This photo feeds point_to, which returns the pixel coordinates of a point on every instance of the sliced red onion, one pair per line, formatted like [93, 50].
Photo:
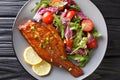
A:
[57, 29]
[68, 33]
[81, 15]
[81, 52]
[53, 9]
[78, 61]
[37, 17]
[42, 10]
[91, 38]
[68, 50]
[64, 13]
[63, 18]
[69, 1]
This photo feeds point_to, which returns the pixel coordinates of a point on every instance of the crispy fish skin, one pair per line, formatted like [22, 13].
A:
[46, 41]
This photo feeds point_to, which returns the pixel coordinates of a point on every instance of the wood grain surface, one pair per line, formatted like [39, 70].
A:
[10, 68]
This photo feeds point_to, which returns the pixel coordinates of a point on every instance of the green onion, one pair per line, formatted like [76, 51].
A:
[51, 60]
[51, 38]
[33, 28]
[43, 46]
[70, 69]
[40, 45]
[47, 42]
[42, 41]
[47, 39]
[60, 66]
[50, 48]
[53, 32]
[63, 58]
[35, 36]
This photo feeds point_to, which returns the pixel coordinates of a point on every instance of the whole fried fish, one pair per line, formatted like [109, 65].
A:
[46, 41]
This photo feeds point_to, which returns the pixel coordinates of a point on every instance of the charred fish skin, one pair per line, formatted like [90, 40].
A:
[46, 41]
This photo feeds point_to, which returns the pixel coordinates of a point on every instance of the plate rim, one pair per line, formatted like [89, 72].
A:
[106, 47]
[27, 2]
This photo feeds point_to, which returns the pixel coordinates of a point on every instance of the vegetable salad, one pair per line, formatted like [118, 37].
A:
[76, 30]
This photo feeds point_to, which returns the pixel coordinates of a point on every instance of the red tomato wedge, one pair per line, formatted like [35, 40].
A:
[69, 43]
[53, 1]
[58, 1]
[88, 25]
[92, 44]
[47, 17]
[70, 14]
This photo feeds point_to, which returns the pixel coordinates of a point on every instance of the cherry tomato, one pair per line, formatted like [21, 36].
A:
[58, 1]
[61, 8]
[47, 17]
[53, 1]
[88, 25]
[70, 14]
[69, 43]
[92, 44]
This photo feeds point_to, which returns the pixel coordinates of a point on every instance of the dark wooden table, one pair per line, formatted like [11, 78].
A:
[10, 68]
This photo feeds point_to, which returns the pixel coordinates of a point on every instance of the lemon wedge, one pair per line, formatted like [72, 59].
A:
[42, 69]
[31, 57]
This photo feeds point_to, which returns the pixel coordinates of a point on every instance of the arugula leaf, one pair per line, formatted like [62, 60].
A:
[58, 22]
[76, 7]
[82, 59]
[76, 19]
[77, 57]
[43, 3]
[81, 44]
[83, 63]
[74, 26]
[78, 37]
[86, 58]
[75, 23]
[96, 34]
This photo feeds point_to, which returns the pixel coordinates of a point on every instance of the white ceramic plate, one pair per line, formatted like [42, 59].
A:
[90, 10]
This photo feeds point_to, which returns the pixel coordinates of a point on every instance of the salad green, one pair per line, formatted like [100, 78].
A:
[57, 22]
[75, 29]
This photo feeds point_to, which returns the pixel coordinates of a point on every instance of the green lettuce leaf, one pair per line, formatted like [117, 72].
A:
[96, 34]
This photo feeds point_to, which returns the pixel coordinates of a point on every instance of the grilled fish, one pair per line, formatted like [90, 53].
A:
[46, 41]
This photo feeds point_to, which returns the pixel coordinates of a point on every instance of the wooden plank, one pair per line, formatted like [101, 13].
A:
[9, 8]
[108, 70]
[6, 36]
[109, 8]
[10, 69]
[6, 48]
